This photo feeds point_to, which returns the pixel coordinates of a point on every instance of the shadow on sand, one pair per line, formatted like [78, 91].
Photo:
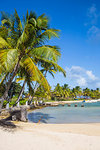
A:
[38, 117]
[7, 125]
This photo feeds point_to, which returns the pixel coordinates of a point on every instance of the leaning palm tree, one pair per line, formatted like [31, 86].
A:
[21, 42]
[48, 66]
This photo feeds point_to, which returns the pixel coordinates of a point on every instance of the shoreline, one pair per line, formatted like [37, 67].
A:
[42, 136]
[47, 104]
[90, 129]
[69, 102]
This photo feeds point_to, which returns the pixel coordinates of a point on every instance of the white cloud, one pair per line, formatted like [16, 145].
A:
[98, 84]
[92, 14]
[92, 10]
[93, 32]
[82, 77]
[91, 75]
[81, 81]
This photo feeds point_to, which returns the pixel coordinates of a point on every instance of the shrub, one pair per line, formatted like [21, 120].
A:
[22, 101]
[5, 103]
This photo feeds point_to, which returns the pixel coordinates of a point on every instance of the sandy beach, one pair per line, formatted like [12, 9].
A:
[42, 136]
[30, 136]
[73, 101]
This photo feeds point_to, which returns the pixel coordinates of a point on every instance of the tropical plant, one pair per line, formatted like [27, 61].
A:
[21, 43]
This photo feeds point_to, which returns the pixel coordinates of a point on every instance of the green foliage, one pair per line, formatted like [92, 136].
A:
[11, 103]
[23, 41]
[15, 88]
[64, 92]
[23, 101]
[41, 92]
[5, 103]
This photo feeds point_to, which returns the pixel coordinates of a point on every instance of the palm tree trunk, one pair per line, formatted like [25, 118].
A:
[5, 95]
[21, 92]
[36, 87]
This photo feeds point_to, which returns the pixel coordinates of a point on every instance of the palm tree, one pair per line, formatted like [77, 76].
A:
[78, 91]
[22, 42]
[48, 67]
[65, 89]
[86, 92]
[65, 86]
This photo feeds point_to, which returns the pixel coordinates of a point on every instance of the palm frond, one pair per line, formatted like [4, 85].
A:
[26, 37]
[3, 43]
[18, 23]
[50, 33]
[32, 15]
[8, 58]
[3, 32]
[6, 19]
[49, 52]
[52, 74]
[4, 78]
[51, 66]
[6, 22]
[42, 22]
[35, 73]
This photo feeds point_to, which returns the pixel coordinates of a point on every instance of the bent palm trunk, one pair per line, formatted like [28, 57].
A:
[36, 87]
[21, 92]
[4, 97]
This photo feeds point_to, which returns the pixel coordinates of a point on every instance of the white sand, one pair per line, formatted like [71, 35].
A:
[31, 136]
[74, 101]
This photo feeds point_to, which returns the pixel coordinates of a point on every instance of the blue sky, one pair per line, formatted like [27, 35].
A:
[79, 22]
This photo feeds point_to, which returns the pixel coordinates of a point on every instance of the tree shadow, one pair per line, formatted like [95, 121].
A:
[7, 125]
[37, 117]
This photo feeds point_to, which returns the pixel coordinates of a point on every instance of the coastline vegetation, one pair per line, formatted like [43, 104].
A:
[60, 93]
[66, 93]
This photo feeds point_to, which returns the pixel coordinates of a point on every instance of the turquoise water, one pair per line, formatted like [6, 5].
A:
[90, 113]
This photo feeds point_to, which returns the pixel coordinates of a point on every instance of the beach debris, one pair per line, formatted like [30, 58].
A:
[18, 114]
[62, 104]
[82, 105]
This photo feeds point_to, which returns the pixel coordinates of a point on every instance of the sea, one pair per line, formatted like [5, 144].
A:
[90, 113]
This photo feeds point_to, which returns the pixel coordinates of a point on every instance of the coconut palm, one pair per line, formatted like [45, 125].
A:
[21, 42]
[48, 67]
[86, 92]
[78, 91]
